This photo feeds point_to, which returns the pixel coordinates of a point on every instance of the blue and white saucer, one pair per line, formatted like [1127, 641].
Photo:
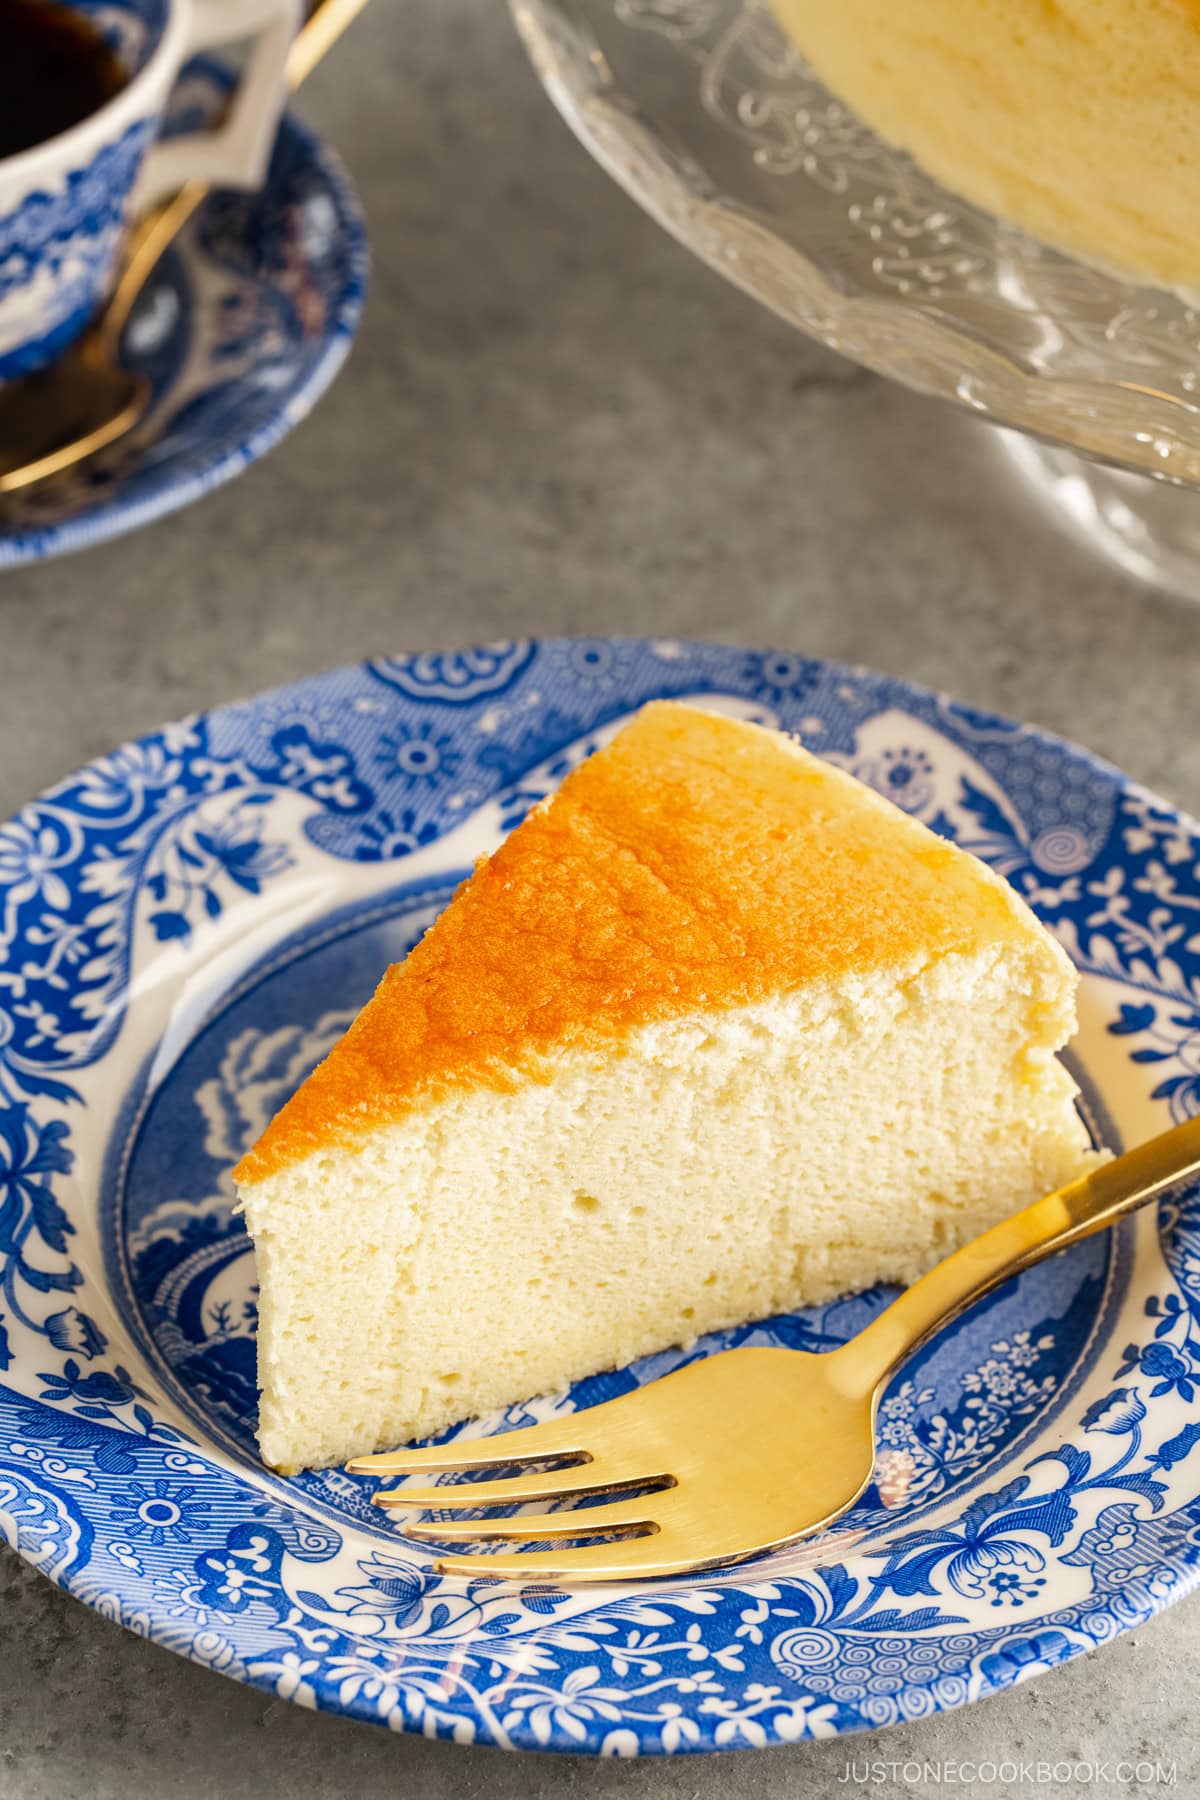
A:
[187, 924]
[242, 328]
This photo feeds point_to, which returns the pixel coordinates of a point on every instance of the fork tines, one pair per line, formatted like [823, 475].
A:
[558, 1467]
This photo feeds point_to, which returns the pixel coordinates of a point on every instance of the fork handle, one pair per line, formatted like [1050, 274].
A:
[1089, 1204]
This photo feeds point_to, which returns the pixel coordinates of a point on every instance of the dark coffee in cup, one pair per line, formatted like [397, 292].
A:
[55, 71]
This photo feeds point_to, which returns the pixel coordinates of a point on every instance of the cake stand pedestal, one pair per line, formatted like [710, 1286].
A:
[1149, 528]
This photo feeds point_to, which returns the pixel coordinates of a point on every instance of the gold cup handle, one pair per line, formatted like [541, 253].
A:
[156, 230]
[1091, 1203]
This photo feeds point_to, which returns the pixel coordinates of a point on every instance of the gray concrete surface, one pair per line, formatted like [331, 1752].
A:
[556, 421]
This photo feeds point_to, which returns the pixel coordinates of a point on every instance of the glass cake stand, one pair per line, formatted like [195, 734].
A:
[704, 112]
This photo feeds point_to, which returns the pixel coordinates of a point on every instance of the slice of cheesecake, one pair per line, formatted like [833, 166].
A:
[716, 1033]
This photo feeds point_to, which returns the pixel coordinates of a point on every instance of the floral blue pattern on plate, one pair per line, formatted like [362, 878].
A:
[188, 923]
[240, 331]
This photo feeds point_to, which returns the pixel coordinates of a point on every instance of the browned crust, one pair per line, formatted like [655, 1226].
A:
[696, 863]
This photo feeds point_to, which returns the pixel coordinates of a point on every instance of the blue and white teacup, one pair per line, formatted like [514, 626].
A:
[65, 204]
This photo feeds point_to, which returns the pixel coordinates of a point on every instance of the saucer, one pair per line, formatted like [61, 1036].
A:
[244, 324]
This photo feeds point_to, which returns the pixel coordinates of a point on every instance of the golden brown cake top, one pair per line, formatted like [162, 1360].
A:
[694, 864]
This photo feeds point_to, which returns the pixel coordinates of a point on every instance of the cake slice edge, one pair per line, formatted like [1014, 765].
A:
[711, 1169]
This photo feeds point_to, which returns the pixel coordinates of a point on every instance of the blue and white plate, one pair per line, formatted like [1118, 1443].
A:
[187, 924]
[239, 333]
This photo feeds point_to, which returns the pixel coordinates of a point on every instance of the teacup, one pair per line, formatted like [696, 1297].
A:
[65, 204]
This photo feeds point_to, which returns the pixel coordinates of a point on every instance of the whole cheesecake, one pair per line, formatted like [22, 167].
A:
[1078, 120]
[716, 1033]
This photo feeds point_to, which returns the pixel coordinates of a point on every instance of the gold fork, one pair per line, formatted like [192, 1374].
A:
[748, 1450]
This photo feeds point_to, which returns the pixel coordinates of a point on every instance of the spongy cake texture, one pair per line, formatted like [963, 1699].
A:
[716, 1033]
[1077, 119]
